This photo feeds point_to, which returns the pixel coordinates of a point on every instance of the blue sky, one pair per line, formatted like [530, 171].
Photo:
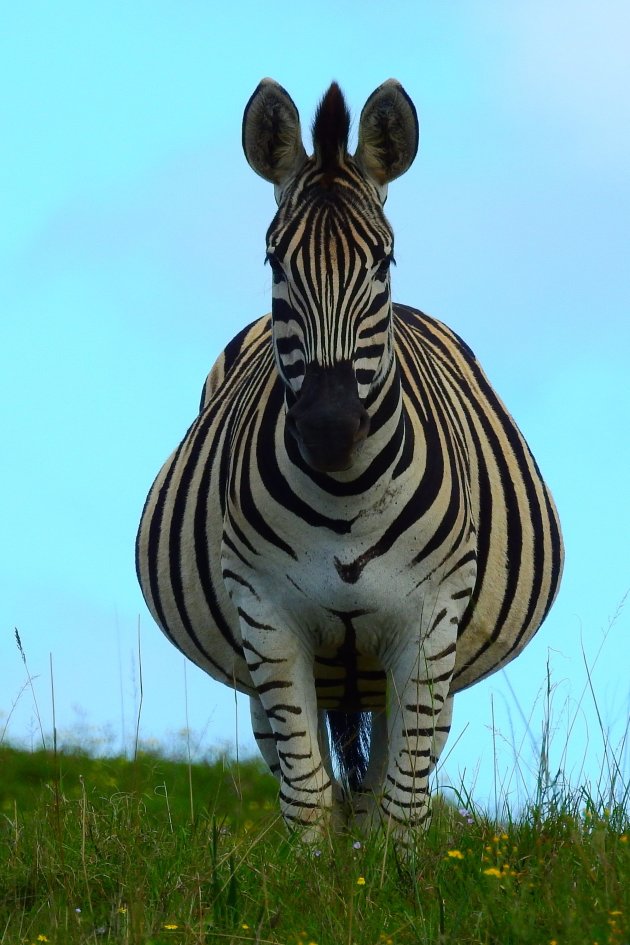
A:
[131, 250]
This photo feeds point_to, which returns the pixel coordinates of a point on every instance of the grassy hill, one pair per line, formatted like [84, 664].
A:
[155, 851]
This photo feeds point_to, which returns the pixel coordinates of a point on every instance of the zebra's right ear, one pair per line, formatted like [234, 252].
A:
[272, 138]
[388, 134]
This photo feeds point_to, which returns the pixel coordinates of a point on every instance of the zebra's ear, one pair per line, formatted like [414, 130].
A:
[388, 134]
[272, 139]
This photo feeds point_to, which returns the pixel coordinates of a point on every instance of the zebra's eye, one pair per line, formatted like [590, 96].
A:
[381, 270]
[276, 269]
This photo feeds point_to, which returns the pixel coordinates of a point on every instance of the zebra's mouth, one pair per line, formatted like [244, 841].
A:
[329, 457]
[328, 421]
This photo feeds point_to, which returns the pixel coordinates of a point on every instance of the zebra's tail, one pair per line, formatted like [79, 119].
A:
[350, 744]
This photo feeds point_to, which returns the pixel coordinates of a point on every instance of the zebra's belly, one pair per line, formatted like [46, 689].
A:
[352, 627]
[352, 618]
[348, 680]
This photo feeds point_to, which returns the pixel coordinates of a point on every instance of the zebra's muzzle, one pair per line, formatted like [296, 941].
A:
[328, 420]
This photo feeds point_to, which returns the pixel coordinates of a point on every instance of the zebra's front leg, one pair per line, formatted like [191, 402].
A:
[282, 673]
[419, 711]
[264, 735]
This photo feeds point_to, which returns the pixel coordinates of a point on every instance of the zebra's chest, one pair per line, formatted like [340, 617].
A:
[351, 574]
[324, 583]
[309, 560]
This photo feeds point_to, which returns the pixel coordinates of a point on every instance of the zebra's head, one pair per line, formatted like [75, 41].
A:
[330, 248]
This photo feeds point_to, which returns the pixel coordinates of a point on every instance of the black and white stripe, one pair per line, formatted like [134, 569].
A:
[353, 524]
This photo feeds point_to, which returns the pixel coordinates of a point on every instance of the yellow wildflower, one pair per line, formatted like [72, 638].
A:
[493, 871]
[171, 925]
[361, 881]
[455, 854]
[42, 938]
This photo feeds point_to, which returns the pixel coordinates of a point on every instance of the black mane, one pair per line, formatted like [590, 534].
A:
[331, 128]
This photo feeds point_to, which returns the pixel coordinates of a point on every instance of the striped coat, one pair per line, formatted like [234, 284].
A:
[353, 527]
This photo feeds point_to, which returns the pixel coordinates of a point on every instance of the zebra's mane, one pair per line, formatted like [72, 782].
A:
[330, 129]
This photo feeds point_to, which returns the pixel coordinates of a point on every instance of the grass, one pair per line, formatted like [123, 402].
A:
[159, 851]
[155, 851]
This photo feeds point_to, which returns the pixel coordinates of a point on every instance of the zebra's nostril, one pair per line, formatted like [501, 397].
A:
[363, 427]
[291, 424]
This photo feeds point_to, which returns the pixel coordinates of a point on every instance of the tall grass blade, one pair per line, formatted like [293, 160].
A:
[32, 688]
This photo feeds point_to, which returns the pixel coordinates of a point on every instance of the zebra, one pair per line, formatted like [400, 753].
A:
[353, 529]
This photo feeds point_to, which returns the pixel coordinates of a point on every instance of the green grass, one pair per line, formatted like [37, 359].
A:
[155, 851]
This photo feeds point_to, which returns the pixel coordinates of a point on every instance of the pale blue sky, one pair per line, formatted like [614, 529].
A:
[131, 250]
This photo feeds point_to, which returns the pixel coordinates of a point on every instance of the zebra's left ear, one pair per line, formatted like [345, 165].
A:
[388, 134]
[272, 139]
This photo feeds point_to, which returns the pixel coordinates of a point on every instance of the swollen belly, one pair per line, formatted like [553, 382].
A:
[348, 681]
